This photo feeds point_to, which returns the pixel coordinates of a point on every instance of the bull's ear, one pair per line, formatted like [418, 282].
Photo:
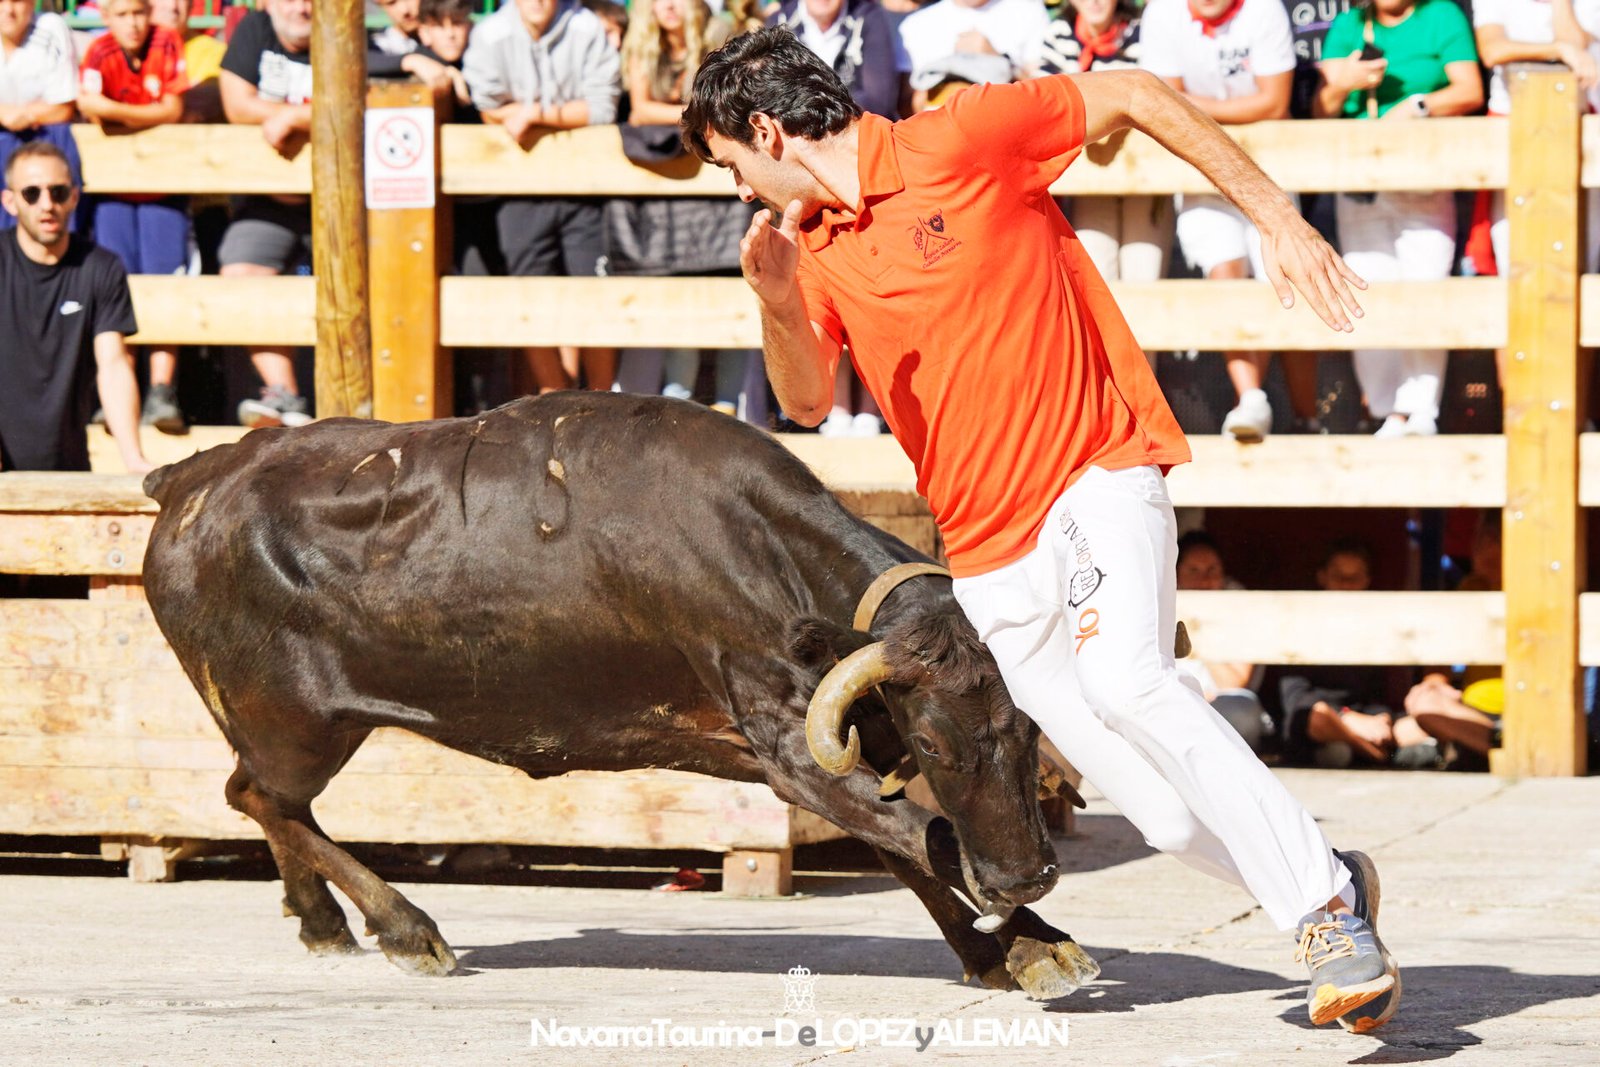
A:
[816, 642]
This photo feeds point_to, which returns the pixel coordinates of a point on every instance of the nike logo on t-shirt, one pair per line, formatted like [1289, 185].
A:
[71, 307]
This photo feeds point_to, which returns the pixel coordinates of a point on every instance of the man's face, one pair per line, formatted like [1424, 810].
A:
[291, 21]
[15, 18]
[447, 39]
[1098, 12]
[403, 13]
[823, 12]
[1211, 8]
[1201, 568]
[1345, 573]
[538, 14]
[128, 22]
[766, 172]
[44, 220]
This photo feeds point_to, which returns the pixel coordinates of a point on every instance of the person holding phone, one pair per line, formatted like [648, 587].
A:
[1396, 60]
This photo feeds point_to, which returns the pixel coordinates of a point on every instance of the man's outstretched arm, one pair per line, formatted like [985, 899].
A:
[1293, 251]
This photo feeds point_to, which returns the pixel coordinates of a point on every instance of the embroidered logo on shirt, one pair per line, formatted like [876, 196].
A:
[930, 239]
[71, 307]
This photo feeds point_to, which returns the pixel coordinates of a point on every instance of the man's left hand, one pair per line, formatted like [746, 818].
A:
[1296, 257]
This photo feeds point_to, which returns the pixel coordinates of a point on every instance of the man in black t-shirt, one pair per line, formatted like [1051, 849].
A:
[266, 82]
[64, 310]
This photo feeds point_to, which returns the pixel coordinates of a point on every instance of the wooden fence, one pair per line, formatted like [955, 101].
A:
[104, 736]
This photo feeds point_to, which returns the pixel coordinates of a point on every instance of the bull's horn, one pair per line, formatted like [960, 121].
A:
[841, 687]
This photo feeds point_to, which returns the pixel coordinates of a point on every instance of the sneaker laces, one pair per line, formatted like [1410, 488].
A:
[1323, 942]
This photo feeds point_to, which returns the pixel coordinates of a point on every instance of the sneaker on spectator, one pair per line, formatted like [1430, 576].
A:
[161, 410]
[277, 407]
[1421, 426]
[725, 408]
[1393, 426]
[866, 424]
[1251, 421]
[839, 423]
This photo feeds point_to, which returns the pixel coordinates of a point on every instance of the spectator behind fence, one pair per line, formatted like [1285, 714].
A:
[396, 51]
[202, 61]
[443, 27]
[64, 310]
[133, 78]
[971, 41]
[855, 39]
[1230, 688]
[266, 81]
[38, 85]
[614, 17]
[672, 235]
[1127, 237]
[536, 66]
[1333, 715]
[1234, 60]
[1422, 63]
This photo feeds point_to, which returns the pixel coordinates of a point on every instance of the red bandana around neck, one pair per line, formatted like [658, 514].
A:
[1097, 45]
[1209, 27]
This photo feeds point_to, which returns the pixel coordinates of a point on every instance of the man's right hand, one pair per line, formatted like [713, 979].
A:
[769, 255]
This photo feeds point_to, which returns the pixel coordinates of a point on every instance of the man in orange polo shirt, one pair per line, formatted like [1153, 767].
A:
[933, 250]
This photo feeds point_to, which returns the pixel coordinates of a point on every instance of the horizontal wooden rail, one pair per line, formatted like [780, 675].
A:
[722, 313]
[200, 158]
[1302, 156]
[1318, 627]
[180, 310]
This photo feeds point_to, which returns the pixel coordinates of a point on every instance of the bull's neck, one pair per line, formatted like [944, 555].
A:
[842, 559]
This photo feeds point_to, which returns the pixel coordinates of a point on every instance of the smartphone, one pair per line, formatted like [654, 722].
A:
[1371, 52]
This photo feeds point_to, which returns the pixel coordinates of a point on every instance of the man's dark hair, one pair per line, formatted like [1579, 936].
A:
[1197, 539]
[771, 72]
[437, 11]
[35, 150]
[1346, 546]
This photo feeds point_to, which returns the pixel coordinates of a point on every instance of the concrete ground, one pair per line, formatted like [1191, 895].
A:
[1491, 903]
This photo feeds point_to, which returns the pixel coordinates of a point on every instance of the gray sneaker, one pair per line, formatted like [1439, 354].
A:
[277, 407]
[1345, 963]
[161, 410]
[1379, 1010]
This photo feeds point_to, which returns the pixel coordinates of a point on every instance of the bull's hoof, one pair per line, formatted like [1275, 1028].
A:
[996, 977]
[419, 951]
[1046, 971]
[342, 943]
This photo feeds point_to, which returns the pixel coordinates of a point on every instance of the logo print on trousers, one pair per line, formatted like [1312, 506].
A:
[1087, 577]
[1088, 626]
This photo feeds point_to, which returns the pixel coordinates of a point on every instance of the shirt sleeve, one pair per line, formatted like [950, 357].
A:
[602, 78]
[1273, 49]
[60, 85]
[1159, 49]
[819, 305]
[1026, 131]
[1457, 43]
[243, 56]
[113, 304]
[484, 68]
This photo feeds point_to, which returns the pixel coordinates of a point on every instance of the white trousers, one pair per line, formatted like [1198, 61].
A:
[1082, 629]
[1127, 237]
[1400, 237]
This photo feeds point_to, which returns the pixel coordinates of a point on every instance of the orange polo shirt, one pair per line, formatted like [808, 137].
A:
[974, 315]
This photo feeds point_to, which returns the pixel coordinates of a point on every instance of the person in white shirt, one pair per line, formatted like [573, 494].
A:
[1234, 60]
[972, 41]
[38, 85]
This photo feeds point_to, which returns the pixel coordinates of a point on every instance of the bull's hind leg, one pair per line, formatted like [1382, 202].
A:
[323, 929]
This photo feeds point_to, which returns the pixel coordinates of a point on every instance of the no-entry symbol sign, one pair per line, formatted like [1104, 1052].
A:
[400, 157]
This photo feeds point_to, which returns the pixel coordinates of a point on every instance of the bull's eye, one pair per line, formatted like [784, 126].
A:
[927, 747]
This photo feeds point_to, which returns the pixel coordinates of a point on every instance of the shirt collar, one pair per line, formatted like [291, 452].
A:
[809, 24]
[879, 171]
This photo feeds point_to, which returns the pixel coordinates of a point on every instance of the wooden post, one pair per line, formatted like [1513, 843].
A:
[338, 220]
[1543, 568]
[411, 373]
[749, 873]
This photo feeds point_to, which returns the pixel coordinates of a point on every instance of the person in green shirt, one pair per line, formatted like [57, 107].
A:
[1422, 62]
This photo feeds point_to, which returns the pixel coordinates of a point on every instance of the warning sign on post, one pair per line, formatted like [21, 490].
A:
[400, 157]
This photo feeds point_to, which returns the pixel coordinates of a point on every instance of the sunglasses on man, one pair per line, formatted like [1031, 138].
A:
[59, 194]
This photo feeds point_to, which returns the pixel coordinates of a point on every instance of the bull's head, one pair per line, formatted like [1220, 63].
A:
[941, 693]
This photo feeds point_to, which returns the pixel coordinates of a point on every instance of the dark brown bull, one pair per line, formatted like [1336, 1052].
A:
[593, 582]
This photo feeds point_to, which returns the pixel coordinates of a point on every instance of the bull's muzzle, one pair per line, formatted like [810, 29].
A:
[841, 687]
